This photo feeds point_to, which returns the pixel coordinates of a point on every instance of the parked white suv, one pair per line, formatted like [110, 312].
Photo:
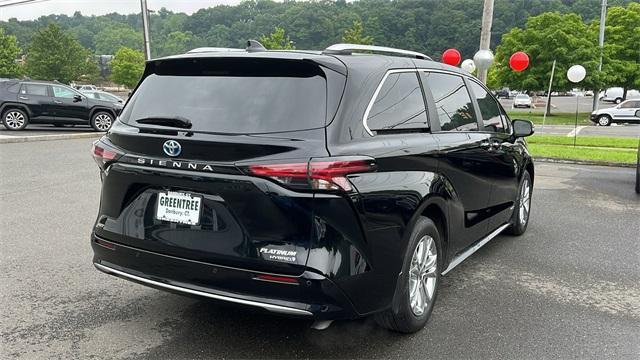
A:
[623, 112]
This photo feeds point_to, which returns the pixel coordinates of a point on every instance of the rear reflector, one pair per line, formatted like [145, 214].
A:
[279, 279]
[106, 244]
[321, 174]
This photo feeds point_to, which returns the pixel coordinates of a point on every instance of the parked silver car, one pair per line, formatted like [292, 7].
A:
[625, 112]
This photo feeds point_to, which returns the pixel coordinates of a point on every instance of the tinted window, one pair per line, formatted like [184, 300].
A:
[399, 104]
[14, 88]
[63, 92]
[34, 89]
[233, 96]
[489, 109]
[453, 103]
[631, 104]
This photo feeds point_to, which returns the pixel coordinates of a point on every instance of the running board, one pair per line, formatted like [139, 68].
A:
[270, 307]
[460, 258]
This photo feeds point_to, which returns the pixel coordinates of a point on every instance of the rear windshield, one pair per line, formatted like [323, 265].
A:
[241, 96]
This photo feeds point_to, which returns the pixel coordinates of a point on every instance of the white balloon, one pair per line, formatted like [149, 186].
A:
[468, 66]
[483, 59]
[576, 73]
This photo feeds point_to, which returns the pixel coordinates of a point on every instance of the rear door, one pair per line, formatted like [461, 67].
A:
[242, 112]
[66, 108]
[36, 98]
[504, 155]
[463, 154]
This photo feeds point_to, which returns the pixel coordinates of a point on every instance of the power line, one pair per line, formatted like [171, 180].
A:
[19, 2]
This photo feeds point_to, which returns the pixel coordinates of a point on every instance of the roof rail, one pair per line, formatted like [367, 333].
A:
[348, 49]
[212, 49]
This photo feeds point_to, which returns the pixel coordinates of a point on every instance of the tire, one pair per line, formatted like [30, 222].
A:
[15, 119]
[403, 317]
[618, 100]
[101, 121]
[522, 208]
[604, 120]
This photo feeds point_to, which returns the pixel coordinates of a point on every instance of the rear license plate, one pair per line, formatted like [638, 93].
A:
[179, 207]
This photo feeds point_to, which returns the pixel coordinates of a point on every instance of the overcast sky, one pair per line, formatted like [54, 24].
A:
[100, 7]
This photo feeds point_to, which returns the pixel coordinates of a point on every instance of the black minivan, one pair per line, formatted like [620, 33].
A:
[329, 185]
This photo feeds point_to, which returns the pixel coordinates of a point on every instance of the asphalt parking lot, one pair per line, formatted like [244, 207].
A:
[568, 288]
[562, 104]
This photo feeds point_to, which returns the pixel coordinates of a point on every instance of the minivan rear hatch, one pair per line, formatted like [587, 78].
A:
[184, 137]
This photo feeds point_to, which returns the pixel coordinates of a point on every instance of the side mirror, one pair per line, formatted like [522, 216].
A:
[77, 98]
[522, 128]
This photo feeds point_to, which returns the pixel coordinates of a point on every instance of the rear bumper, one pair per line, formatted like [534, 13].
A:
[312, 295]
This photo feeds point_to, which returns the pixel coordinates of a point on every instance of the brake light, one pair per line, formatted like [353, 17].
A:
[319, 174]
[103, 153]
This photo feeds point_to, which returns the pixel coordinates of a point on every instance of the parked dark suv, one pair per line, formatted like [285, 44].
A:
[328, 185]
[25, 102]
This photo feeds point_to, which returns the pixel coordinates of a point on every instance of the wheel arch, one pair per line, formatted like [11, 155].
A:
[101, 109]
[11, 105]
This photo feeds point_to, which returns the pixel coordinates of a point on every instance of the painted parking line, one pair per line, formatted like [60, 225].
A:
[575, 131]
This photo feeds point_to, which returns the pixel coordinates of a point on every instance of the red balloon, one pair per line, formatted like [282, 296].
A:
[519, 61]
[451, 57]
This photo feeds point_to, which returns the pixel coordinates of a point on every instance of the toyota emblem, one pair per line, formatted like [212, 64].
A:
[172, 148]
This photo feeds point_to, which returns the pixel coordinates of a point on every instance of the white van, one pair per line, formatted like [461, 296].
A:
[614, 94]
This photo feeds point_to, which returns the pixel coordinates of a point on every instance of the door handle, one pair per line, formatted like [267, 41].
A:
[23, 98]
[57, 101]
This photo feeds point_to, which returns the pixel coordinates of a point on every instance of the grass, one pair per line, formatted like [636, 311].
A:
[589, 148]
[553, 119]
[586, 141]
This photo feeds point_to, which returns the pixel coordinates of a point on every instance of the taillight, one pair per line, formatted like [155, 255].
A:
[104, 154]
[317, 174]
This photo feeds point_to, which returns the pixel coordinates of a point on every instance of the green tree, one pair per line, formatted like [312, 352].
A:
[109, 40]
[9, 51]
[621, 60]
[127, 67]
[354, 35]
[545, 38]
[277, 40]
[55, 55]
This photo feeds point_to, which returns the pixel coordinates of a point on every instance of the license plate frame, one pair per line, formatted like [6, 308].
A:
[178, 207]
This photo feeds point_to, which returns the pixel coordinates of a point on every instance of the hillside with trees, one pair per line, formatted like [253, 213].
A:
[428, 26]
[548, 30]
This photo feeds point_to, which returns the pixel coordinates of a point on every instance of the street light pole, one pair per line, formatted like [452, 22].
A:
[485, 35]
[145, 29]
[603, 18]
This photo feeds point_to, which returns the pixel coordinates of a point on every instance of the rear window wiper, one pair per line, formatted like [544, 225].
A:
[175, 121]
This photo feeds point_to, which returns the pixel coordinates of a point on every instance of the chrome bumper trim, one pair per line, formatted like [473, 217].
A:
[460, 258]
[270, 307]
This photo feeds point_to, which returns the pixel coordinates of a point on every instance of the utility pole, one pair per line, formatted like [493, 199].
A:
[145, 29]
[603, 18]
[485, 34]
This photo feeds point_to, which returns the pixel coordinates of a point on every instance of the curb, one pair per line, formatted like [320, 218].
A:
[6, 139]
[583, 162]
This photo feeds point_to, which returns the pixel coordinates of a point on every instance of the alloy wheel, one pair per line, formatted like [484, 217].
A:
[422, 275]
[103, 122]
[525, 201]
[603, 121]
[14, 119]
